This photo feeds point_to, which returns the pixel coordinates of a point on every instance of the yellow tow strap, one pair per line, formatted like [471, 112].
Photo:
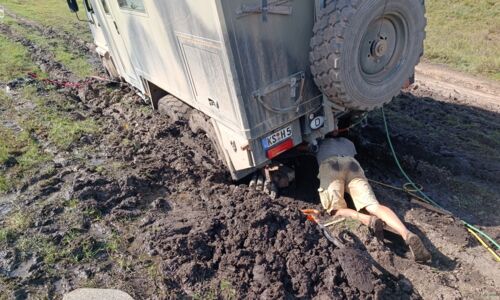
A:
[484, 244]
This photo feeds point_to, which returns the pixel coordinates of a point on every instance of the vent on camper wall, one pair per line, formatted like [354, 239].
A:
[265, 8]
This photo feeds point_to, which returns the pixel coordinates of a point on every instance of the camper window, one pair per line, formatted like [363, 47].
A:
[136, 5]
[105, 6]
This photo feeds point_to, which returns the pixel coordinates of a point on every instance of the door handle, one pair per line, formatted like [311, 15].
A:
[116, 27]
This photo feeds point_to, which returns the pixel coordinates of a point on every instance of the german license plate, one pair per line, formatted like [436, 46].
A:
[277, 137]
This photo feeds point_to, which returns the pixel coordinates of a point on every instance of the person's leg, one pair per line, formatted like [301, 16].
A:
[363, 197]
[417, 247]
[389, 217]
[351, 213]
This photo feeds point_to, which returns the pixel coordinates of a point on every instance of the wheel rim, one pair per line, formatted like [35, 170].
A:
[382, 48]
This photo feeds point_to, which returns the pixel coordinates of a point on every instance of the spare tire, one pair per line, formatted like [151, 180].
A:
[363, 51]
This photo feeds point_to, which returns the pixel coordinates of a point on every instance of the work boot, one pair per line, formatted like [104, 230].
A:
[417, 248]
[377, 228]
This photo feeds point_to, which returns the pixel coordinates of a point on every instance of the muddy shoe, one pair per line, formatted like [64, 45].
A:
[377, 228]
[417, 248]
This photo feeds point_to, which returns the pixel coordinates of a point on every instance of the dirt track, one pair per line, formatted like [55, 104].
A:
[148, 209]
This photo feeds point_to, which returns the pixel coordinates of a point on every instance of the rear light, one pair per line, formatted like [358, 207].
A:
[277, 150]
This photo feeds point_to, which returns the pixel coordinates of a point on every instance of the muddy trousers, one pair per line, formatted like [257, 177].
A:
[340, 174]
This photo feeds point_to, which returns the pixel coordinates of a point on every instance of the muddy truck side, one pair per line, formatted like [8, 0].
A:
[260, 77]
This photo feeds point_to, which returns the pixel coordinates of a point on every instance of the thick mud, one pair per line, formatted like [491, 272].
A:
[144, 206]
[172, 206]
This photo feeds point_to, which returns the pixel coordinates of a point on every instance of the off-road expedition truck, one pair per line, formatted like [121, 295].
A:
[259, 77]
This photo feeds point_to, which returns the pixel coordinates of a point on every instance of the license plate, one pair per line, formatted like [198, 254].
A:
[277, 137]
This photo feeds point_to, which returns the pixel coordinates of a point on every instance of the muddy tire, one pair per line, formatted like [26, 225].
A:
[198, 123]
[174, 108]
[363, 51]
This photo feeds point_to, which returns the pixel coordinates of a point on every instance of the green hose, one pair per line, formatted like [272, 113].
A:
[419, 190]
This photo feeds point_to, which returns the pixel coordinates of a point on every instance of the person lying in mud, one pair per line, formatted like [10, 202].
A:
[340, 172]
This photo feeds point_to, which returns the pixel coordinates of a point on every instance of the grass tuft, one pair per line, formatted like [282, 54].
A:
[50, 120]
[7, 236]
[4, 184]
[19, 221]
[14, 60]
[26, 152]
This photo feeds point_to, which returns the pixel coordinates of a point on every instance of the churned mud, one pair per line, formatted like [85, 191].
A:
[181, 227]
[143, 205]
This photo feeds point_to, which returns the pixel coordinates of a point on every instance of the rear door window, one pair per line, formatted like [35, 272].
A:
[105, 6]
[135, 5]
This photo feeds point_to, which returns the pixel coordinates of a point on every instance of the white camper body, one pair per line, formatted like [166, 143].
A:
[266, 75]
[246, 70]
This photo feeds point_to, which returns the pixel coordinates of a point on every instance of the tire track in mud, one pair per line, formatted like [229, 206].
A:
[41, 57]
[75, 44]
[211, 231]
[180, 210]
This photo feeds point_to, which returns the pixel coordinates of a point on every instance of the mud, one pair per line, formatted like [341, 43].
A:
[147, 208]
[174, 206]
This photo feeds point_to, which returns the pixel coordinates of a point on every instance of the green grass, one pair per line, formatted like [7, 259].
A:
[71, 204]
[19, 221]
[64, 131]
[73, 248]
[40, 244]
[53, 13]
[51, 120]
[7, 236]
[227, 290]
[74, 62]
[465, 34]
[14, 225]
[4, 184]
[14, 60]
[25, 150]
[48, 121]
[22, 146]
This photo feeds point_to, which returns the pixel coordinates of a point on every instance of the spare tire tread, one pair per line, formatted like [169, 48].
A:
[327, 46]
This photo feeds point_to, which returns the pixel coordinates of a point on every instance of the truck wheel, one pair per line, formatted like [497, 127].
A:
[363, 51]
[198, 122]
[174, 108]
